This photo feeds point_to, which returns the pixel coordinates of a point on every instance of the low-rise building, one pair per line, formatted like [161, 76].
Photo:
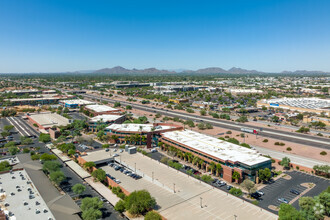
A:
[243, 91]
[312, 105]
[102, 110]
[232, 157]
[178, 101]
[105, 120]
[75, 103]
[144, 133]
[47, 120]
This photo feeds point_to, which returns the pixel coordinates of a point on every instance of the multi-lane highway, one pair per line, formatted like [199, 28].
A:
[266, 132]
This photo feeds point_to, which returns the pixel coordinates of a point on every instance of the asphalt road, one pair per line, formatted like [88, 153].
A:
[266, 132]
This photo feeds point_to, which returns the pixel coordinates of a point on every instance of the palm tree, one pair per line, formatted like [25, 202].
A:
[127, 138]
[236, 175]
[190, 157]
[180, 154]
[201, 163]
[114, 137]
[218, 169]
[195, 160]
[186, 154]
[212, 167]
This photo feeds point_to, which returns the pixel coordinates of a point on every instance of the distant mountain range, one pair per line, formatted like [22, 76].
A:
[118, 70]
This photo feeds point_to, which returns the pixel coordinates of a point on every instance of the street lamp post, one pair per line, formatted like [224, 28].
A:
[174, 187]
[135, 167]
[201, 202]
[152, 176]
[235, 216]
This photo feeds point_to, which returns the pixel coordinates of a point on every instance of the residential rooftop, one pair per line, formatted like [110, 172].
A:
[101, 108]
[137, 127]
[21, 198]
[215, 147]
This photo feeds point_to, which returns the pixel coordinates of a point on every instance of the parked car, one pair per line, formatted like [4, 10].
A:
[114, 150]
[153, 150]
[107, 150]
[294, 192]
[121, 151]
[221, 183]
[261, 193]
[255, 195]
[197, 172]
[229, 187]
[117, 181]
[282, 200]
[116, 155]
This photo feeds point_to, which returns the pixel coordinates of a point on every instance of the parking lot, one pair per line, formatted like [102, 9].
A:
[281, 188]
[175, 192]
[22, 126]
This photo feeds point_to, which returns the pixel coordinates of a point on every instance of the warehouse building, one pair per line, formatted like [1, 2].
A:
[232, 157]
[312, 105]
[105, 120]
[48, 120]
[75, 103]
[147, 133]
[102, 110]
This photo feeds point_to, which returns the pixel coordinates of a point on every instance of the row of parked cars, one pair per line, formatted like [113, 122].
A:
[124, 171]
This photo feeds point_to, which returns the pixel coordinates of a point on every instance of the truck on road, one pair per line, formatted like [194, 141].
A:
[250, 130]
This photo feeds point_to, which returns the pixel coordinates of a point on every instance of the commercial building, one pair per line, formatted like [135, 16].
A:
[105, 119]
[312, 105]
[243, 91]
[146, 133]
[232, 157]
[75, 103]
[24, 91]
[102, 110]
[178, 101]
[20, 198]
[48, 120]
[36, 101]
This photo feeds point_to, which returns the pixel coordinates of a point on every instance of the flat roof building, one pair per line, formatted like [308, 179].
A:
[24, 91]
[145, 133]
[105, 119]
[244, 91]
[102, 109]
[76, 103]
[314, 105]
[36, 101]
[48, 120]
[20, 197]
[232, 157]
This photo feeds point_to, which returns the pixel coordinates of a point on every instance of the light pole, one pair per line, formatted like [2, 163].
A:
[201, 202]
[135, 167]
[235, 216]
[152, 176]
[174, 187]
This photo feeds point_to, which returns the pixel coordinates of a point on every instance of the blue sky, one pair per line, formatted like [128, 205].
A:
[69, 35]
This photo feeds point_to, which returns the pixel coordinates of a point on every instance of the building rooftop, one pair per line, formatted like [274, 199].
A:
[34, 99]
[137, 127]
[106, 118]
[23, 91]
[100, 108]
[78, 102]
[216, 148]
[309, 103]
[22, 198]
[50, 119]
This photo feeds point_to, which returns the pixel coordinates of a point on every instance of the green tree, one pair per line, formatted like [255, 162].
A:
[152, 215]
[26, 140]
[44, 138]
[8, 127]
[236, 175]
[78, 188]
[120, 206]
[285, 162]
[248, 185]
[13, 150]
[91, 203]
[4, 166]
[117, 104]
[138, 202]
[91, 214]
[202, 112]
[57, 177]
[235, 191]
[99, 174]
[288, 212]
[47, 157]
[89, 165]
[51, 166]
[264, 175]
[10, 144]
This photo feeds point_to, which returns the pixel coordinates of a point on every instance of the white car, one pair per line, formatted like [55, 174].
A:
[116, 155]
[261, 193]
[117, 181]
[121, 151]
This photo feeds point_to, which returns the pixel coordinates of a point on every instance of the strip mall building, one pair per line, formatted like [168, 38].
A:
[232, 157]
